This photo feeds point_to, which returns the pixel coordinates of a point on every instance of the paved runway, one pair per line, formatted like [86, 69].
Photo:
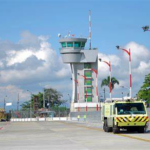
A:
[67, 136]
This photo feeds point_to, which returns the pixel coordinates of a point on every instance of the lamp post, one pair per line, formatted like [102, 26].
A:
[124, 87]
[104, 94]
[76, 81]
[30, 102]
[110, 84]
[5, 102]
[48, 102]
[18, 103]
[85, 78]
[130, 72]
[95, 71]
[44, 99]
[69, 98]
[122, 95]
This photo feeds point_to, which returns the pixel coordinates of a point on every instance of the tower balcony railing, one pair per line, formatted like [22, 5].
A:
[71, 48]
[77, 48]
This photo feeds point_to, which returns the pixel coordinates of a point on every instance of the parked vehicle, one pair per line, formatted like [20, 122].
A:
[2, 115]
[127, 114]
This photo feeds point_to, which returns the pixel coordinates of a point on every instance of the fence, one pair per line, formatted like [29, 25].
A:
[31, 114]
[44, 119]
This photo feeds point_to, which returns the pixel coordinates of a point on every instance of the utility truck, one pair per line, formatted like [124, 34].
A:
[126, 114]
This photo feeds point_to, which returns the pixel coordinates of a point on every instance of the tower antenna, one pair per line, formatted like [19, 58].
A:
[90, 31]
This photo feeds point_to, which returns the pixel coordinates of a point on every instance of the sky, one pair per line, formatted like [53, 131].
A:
[29, 47]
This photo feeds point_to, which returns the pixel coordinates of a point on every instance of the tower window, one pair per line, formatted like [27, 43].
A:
[63, 44]
[88, 89]
[69, 44]
[83, 44]
[88, 82]
[88, 73]
[87, 66]
[89, 98]
[77, 44]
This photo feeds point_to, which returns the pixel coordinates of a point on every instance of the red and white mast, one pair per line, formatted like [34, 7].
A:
[130, 74]
[90, 31]
[110, 83]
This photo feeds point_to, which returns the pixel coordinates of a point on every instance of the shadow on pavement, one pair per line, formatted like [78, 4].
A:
[133, 132]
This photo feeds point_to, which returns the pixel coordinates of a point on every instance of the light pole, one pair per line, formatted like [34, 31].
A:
[122, 95]
[43, 99]
[125, 88]
[77, 82]
[85, 78]
[69, 99]
[5, 102]
[104, 94]
[130, 72]
[110, 84]
[30, 102]
[48, 102]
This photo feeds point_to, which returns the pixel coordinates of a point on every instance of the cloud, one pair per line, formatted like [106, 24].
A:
[32, 63]
[30, 41]
[28, 63]
[14, 57]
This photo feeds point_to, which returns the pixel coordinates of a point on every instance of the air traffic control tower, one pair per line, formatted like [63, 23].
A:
[84, 68]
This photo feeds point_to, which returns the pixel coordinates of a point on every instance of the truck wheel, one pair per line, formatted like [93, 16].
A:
[141, 129]
[116, 129]
[106, 128]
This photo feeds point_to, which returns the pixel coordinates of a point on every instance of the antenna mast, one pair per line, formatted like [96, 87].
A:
[90, 32]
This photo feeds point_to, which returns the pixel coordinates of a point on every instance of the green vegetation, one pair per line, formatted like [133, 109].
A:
[25, 105]
[144, 92]
[105, 82]
[51, 96]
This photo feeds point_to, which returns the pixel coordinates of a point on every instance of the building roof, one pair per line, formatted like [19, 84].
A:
[72, 40]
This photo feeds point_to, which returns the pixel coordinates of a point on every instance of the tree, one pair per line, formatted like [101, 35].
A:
[144, 92]
[40, 98]
[105, 82]
[25, 105]
[53, 97]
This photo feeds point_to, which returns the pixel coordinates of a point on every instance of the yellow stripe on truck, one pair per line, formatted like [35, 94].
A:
[134, 119]
[140, 118]
[128, 118]
[121, 119]
[144, 118]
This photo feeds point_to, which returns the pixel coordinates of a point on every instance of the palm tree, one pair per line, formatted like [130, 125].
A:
[105, 82]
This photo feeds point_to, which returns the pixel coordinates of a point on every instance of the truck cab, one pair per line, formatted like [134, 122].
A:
[129, 114]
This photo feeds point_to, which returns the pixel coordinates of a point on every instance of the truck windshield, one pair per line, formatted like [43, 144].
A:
[130, 108]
